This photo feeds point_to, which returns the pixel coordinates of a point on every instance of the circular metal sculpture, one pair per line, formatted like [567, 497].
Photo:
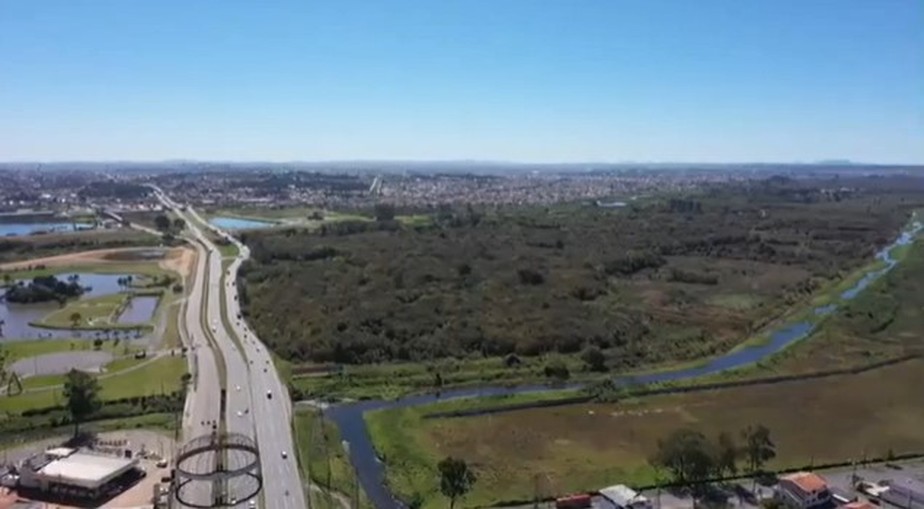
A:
[217, 470]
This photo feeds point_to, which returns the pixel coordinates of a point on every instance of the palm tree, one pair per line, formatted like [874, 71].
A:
[75, 318]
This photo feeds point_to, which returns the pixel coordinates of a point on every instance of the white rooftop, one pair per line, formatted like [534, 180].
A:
[623, 495]
[60, 452]
[87, 470]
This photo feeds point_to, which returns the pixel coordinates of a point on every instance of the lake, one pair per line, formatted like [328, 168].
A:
[16, 317]
[236, 223]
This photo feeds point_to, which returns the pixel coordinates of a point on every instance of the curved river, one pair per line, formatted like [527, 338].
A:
[349, 416]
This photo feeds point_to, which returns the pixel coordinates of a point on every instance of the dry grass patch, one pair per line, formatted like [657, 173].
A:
[585, 447]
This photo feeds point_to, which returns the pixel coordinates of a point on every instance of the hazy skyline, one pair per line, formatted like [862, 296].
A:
[512, 80]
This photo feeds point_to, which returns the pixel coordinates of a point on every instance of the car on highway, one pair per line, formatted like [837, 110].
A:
[269, 394]
[284, 455]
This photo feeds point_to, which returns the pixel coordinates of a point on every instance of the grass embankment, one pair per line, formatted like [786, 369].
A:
[147, 269]
[323, 458]
[389, 381]
[588, 446]
[98, 312]
[154, 421]
[17, 350]
[112, 368]
[157, 376]
[228, 250]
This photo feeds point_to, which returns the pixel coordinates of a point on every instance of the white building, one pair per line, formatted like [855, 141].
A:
[78, 474]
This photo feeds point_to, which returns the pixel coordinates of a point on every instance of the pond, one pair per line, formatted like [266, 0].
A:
[139, 309]
[236, 223]
[16, 317]
[19, 229]
[349, 416]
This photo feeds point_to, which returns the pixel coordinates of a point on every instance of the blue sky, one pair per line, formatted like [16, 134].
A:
[514, 80]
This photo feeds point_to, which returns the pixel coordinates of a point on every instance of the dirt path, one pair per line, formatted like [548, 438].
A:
[178, 259]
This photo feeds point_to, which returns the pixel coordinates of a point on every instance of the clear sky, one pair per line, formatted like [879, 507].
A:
[513, 80]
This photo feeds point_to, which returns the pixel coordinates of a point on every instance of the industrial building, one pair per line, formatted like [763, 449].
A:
[70, 473]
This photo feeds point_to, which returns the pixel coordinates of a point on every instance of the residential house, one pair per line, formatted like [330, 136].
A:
[804, 490]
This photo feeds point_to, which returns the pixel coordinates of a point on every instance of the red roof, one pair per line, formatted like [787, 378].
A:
[807, 481]
[859, 504]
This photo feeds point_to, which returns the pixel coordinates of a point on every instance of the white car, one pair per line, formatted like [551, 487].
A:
[284, 455]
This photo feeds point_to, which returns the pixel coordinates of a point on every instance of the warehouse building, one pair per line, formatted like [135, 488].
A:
[69, 473]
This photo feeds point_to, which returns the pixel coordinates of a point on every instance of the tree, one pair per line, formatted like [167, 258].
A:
[727, 454]
[456, 479]
[384, 212]
[81, 391]
[758, 447]
[557, 369]
[594, 358]
[162, 222]
[687, 455]
[75, 318]
[179, 224]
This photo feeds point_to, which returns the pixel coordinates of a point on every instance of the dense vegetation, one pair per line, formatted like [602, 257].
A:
[667, 279]
[44, 289]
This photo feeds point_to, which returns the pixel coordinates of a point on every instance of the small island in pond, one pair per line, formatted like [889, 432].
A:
[44, 289]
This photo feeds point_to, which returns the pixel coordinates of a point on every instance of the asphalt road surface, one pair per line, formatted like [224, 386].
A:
[203, 403]
[258, 404]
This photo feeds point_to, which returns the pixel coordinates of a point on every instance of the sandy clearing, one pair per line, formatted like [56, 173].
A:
[178, 259]
[82, 258]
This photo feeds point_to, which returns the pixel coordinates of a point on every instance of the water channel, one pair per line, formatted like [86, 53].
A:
[139, 310]
[349, 416]
[18, 229]
[16, 318]
[236, 223]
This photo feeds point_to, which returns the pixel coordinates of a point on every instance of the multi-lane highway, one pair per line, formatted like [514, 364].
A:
[257, 403]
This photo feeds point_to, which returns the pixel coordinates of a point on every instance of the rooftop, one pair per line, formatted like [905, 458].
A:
[87, 469]
[807, 481]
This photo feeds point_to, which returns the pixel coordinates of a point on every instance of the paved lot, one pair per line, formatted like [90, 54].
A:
[61, 362]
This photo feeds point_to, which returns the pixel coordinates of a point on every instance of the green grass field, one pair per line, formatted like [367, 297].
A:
[588, 446]
[156, 377]
[24, 349]
[96, 312]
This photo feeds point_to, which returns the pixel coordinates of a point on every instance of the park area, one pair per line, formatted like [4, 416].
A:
[124, 335]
